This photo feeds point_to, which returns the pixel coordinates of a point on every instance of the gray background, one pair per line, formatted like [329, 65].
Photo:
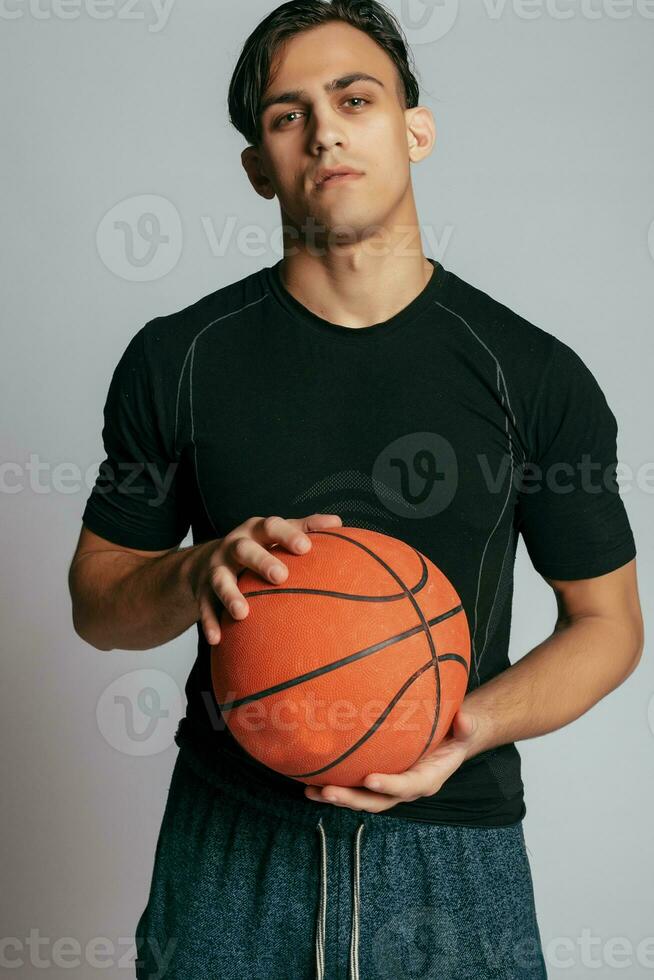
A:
[539, 191]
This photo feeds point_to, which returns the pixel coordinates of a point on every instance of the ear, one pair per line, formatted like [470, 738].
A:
[253, 165]
[420, 132]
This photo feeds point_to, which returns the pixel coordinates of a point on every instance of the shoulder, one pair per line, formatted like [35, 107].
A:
[170, 337]
[546, 383]
[159, 358]
[534, 358]
[504, 330]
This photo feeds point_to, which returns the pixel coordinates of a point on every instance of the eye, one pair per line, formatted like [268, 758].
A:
[283, 118]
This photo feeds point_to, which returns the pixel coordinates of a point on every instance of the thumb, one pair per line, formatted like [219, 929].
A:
[464, 725]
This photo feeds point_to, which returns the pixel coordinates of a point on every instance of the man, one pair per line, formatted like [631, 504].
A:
[290, 391]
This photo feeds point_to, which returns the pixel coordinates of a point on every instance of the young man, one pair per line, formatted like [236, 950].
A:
[291, 391]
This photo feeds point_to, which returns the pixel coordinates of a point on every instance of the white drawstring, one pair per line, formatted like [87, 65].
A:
[354, 937]
[322, 907]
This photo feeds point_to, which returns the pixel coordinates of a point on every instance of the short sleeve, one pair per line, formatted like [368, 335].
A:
[136, 500]
[569, 510]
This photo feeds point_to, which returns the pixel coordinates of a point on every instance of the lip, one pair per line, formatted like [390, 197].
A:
[337, 179]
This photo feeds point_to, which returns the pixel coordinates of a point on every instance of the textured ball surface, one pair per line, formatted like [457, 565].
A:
[357, 663]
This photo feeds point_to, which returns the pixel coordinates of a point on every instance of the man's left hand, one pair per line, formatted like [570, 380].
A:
[385, 790]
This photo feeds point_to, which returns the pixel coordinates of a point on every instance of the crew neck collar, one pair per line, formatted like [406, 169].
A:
[432, 290]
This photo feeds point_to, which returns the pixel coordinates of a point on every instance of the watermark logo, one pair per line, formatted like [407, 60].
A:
[140, 239]
[416, 475]
[425, 21]
[418, 942]
[138, 712]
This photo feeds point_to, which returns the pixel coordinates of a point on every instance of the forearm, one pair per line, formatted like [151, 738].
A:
[553, 684]
[129, 602]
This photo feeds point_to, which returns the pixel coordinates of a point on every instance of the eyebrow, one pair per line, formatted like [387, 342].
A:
[297, 95]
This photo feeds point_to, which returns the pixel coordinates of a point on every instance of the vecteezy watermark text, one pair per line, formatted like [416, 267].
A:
[153, 481]
[158, 11]
[67, 952]
[427, 21]
[141, 238]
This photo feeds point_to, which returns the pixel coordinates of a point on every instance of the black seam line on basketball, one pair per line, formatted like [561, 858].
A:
[454, 656]
[337, 664]
[373, 728]
[346, 595]
[425, 629]
[419, 612]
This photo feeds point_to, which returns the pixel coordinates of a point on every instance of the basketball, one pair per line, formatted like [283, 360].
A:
[355, 664]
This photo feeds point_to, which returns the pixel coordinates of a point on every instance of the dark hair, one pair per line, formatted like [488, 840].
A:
[251, 75]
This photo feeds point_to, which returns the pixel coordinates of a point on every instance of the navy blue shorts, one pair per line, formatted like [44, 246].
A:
[259, 885]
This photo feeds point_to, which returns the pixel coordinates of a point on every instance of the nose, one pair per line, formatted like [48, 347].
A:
[326, 130]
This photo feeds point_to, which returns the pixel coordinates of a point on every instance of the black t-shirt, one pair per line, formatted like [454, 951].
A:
[430, 427]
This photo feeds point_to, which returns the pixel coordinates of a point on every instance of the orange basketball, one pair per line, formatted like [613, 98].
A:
[357, 663]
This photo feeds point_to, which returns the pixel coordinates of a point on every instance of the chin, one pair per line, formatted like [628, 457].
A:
[359, 219]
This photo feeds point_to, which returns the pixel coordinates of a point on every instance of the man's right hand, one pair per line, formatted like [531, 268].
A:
[215, 566]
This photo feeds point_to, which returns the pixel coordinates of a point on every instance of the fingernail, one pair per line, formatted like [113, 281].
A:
[303, 545]
[237, 607]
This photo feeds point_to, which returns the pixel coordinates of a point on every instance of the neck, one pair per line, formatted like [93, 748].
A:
[360, 283]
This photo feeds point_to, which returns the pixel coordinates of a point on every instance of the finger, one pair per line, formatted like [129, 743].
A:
[275, 530]
[400, 785]
[223, 582]
[243, 552]
[420, 779]
[355, 799]
[209, 618]
[293, 532]
[248, 550]
[317, 522]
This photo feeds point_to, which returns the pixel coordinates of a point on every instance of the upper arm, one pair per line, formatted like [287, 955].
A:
[569, 510]
[119, 561]
[91, 543]
[139, 501]
[613, 596]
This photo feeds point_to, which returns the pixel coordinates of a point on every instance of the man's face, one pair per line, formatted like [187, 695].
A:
[362, 126]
